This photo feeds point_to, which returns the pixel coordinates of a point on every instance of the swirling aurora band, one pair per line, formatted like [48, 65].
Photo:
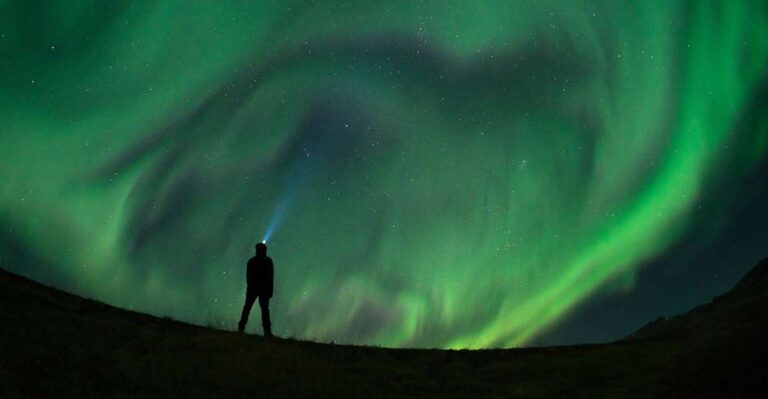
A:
[445, 175]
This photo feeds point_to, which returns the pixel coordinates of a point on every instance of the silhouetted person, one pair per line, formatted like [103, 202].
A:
[259, 276]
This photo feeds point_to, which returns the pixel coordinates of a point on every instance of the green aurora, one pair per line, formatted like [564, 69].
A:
[446, 174]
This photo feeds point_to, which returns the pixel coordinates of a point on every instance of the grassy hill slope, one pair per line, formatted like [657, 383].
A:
[53, 344]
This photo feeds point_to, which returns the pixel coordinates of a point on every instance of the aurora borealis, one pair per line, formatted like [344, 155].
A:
[439, 174]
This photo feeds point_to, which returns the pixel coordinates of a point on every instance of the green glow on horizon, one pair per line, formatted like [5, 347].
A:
[461, 176]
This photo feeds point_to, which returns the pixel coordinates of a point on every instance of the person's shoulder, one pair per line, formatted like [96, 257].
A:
[261, 260]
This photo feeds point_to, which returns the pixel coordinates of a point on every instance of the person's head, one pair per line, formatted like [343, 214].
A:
[261, 249]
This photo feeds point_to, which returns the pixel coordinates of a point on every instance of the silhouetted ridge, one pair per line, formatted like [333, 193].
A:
[60, 345]
[734, 310]
[754, 283]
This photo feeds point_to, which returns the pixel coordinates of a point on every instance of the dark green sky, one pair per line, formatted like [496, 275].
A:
[467, 175]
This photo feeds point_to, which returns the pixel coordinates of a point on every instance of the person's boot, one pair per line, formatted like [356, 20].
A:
[267, 331]
[241, 327]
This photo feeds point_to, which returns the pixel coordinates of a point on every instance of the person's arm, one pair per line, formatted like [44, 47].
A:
[271, 277]
[249, 274]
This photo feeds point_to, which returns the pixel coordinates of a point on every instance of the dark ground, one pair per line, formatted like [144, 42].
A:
[53, 344]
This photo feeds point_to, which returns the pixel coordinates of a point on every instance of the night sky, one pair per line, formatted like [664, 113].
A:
[462, 174]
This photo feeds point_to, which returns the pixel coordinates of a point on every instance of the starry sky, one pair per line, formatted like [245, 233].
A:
[465, 174]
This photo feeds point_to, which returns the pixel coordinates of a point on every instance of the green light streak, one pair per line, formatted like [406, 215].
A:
[478, 169]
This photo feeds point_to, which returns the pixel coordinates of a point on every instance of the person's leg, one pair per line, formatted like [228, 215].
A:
[266, 323]
[250, 297]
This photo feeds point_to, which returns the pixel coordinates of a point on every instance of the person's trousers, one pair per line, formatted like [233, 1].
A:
[250, 298]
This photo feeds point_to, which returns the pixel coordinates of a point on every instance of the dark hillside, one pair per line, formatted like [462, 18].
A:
[734, 312]
[727, 338]
[54, 344]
